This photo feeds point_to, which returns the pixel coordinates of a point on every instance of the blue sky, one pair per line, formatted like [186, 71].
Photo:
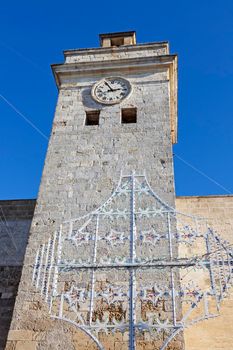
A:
[33, 36]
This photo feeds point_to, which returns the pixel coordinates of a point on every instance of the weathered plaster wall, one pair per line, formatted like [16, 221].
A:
[216, 333]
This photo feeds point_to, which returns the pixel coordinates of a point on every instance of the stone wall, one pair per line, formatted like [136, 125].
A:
[215, 333]
[15, 221]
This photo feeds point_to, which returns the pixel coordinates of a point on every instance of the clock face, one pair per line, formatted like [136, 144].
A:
[111, 90]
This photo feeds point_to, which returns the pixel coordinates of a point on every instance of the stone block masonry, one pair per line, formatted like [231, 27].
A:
[216, 333]
[211, 334]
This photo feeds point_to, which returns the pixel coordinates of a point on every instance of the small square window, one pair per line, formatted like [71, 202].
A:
[128, 115]
[92, 117]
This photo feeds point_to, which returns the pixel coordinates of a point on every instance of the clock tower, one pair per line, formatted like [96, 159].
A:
[98, 266]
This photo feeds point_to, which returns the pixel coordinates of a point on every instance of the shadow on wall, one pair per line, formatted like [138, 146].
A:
[15, 222]
[9, 281]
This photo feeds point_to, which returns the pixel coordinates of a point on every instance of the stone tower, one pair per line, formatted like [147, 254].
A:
[96, 252]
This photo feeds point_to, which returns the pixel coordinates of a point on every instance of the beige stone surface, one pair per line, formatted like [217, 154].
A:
[20, 335]
[25, 345]
[216, 333]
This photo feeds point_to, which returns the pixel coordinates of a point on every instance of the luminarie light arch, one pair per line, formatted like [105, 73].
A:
[101, 271]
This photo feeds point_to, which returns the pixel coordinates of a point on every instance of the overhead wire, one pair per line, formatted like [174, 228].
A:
[27, 120]
[22, 56]
[202, 173]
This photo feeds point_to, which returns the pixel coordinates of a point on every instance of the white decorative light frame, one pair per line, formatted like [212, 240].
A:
[150, 250]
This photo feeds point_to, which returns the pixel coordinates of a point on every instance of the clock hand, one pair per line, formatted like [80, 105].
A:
[108, 85]
[113, 90]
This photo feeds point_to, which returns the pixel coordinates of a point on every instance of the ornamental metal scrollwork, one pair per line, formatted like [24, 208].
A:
[134, 265]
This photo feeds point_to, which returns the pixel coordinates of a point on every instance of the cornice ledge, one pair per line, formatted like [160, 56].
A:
[101, 67]
[109, 50]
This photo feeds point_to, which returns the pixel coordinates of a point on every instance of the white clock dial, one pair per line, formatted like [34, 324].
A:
[111, 90]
